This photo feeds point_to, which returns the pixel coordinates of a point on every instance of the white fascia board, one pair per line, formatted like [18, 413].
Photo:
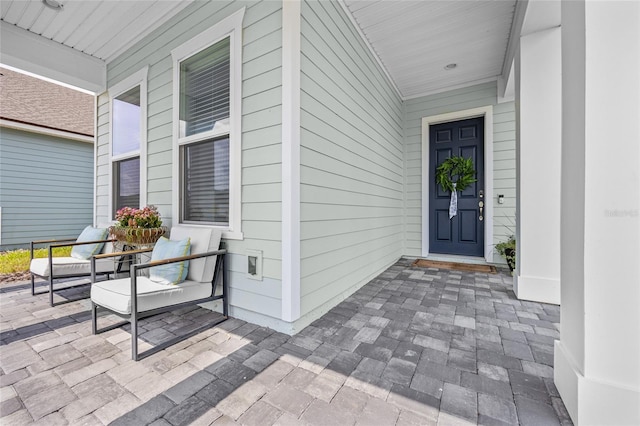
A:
[514, 40]
[38, 55]
[45, 131]
[507, 88]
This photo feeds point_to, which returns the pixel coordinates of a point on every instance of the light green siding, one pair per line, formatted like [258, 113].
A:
[504, 162]
[261, 137]
[360, 153]
[46, 187]
[351, 167]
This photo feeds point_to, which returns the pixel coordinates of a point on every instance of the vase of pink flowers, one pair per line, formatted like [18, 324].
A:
[138, 227]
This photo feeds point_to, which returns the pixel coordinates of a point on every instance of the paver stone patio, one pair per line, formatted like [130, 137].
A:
[414, 346]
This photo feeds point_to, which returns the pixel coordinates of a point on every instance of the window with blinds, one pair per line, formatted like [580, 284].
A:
[125, 149]
[204, 91]
[206, 182]
[126, 176]
[204, 110]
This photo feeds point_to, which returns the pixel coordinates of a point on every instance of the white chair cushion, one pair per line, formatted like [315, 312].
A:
[115, 295]
[69, 266]
[202, 241]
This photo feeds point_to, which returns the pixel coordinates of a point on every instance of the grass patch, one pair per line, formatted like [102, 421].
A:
[19, 260]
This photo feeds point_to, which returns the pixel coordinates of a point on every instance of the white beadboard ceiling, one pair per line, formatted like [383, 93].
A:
[416, 39]
[99, 28]
[413, 39]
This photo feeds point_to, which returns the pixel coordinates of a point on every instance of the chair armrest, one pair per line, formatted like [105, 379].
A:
[177, 259]
[39, 242]
[53, 241]
[81, 243]
[114, 254]
[52, 246]
[121, 253]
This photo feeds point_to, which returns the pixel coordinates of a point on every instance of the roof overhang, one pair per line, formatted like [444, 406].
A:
[530, 17]
[38, 55]
[26, 127]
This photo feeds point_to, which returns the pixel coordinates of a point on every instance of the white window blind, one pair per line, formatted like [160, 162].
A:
[206, 181]
[204, 90]
[204, 109]
[126, 183]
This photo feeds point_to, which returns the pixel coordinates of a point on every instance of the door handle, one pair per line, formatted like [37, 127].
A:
[481, 205]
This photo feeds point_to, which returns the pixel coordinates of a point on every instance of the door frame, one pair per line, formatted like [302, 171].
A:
[487, 113]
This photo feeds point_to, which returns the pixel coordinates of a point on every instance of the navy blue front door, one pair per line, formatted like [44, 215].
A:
[464, 233]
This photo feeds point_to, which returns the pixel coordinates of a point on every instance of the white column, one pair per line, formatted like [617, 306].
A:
[538, 147]
[597, 359]
[291, 160]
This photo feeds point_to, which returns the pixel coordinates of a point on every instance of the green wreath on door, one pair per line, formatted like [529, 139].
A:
[455, 167]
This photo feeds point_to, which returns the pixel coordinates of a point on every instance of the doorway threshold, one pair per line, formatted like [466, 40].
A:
[457, 258]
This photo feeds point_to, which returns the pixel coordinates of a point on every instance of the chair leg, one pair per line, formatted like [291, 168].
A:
[33, 285]
[134, 336]
[50, 288]
[94, 318]
[225, 289]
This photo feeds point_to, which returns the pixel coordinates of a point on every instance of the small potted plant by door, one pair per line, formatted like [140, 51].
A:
[507, 249]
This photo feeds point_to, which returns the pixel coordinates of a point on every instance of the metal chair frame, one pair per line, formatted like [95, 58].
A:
[220, 274]
[60, 243]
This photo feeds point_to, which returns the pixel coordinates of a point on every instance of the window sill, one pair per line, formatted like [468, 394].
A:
[232, 235]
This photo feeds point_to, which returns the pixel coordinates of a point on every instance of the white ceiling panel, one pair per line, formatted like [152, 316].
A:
[416, 39]
[100, 28]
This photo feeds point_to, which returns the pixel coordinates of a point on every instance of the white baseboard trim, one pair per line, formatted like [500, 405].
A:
[536, 289]
[590, 401]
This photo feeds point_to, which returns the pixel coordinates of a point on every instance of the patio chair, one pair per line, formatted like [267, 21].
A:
[205, 281]
[77, 265]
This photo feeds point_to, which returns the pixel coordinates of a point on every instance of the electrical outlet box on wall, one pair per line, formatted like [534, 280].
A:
[254, 264]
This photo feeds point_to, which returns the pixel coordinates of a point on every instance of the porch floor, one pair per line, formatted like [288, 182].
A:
[413, 346]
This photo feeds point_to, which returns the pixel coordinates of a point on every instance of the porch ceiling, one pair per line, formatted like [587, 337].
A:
[101, 29]
[73, 45]
[415, 40]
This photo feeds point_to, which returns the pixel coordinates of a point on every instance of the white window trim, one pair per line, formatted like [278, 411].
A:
[231, 27]
[137, 79]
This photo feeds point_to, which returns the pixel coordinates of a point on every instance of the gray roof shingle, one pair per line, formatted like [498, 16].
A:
[30, 100]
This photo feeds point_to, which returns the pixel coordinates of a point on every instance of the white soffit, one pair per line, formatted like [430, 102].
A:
[87, 35]
[416, 39]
